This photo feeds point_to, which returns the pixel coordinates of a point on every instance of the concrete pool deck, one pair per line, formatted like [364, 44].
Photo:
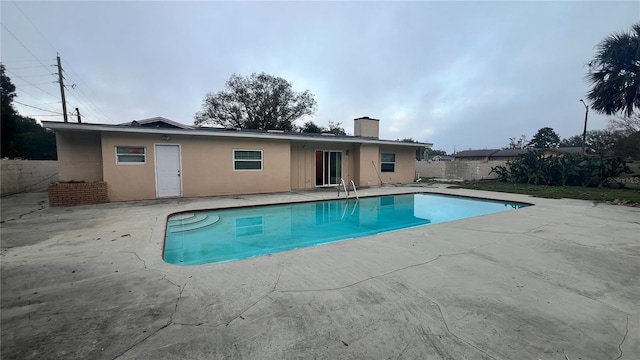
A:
[558, 280]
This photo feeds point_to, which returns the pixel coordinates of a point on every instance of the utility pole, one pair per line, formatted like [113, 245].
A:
[60, 80]
[584, 132]
[78, 113]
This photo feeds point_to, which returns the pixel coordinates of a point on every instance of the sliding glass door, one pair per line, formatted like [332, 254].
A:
[328, 167]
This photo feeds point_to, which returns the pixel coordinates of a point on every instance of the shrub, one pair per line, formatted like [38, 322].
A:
[568, 169]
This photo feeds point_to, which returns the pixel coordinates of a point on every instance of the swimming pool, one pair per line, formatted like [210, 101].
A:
[213, 236]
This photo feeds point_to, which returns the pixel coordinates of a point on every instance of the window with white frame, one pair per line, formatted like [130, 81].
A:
[247, 160]
[388, 162]
[131, 155]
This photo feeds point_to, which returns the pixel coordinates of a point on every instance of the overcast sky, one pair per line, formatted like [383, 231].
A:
[463, 74]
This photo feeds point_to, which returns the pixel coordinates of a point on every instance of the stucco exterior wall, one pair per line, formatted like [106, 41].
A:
[366, 127]
[207, 167]
[457, 170]
[79, 156]
[368, 165]
[27, 175]
[303, 162]
[129, 181]
[207, 164]
[405, 169]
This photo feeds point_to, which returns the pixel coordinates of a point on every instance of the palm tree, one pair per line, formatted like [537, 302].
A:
[615, 73]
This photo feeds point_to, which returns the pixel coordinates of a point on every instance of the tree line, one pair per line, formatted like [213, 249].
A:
[22, 137]
[616, 140]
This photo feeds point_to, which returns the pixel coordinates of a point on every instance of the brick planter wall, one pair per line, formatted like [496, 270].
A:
[71, 194]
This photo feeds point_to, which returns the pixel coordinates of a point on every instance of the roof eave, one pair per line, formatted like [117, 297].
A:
[58, 126]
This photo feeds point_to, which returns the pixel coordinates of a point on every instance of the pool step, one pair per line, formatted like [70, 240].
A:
[186, 219]
[203, 221]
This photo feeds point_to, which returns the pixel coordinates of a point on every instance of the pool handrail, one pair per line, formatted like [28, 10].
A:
[344, 187]
[354, 189]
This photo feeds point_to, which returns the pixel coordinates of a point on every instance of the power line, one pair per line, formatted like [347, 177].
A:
[92, 107]
[32, 24]
[24, 67]
[30, 83]
[21, 90]
[52, 82]
[22, 61]
[24, 46]
[78, 100]
[95, 108]
[45, 104]
[31, 76]
[35, 107]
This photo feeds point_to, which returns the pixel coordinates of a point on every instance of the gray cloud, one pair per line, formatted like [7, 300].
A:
[469, 74]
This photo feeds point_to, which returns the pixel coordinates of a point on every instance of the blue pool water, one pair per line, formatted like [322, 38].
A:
[205, 237]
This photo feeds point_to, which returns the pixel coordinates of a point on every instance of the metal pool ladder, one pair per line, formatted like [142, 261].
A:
[354, 189]
[346, 191]
[344, 187]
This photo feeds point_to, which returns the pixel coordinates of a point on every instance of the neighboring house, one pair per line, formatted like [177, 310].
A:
[157, 122]
[507, 154]
[467, 155]
[560, 151]
[510, 154]
[157, 158]
[442, 158]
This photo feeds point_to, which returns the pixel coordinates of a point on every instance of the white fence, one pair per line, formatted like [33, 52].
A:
[20, 176]
[457, 170]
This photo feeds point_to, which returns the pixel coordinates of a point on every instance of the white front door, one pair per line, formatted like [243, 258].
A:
[168, 180]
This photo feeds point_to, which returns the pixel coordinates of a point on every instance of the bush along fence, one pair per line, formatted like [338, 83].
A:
[565, 170]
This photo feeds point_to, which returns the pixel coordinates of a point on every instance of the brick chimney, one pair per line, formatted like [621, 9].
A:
[366, 127]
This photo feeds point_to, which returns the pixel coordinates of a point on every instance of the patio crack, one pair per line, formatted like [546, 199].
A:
[40, 207]
[407, 346]
[540, 277]
[446, 326]
[501, 231]
[623, 339]
[383, 274]
[166, 325]
[246, 308]
[144, 263]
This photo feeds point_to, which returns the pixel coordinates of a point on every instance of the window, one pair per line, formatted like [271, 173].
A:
[247, 159]
[131, 155]
[388, 162]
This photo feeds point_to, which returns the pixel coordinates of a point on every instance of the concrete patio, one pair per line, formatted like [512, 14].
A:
[558, 280]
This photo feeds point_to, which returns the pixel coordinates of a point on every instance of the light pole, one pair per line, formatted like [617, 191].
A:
[584, 132]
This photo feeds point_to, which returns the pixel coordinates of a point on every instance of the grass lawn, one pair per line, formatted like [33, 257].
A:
[624, 196]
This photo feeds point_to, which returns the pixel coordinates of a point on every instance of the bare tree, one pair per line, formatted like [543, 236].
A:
[624, 125]
[518, 143]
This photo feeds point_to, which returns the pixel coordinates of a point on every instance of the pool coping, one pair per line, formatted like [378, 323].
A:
[166, 221]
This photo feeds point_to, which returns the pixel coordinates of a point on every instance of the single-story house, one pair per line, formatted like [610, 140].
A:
[158, 158]
[550, 152]
[510, 154]
[442, 158]
[507, 154]
[467, 155]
